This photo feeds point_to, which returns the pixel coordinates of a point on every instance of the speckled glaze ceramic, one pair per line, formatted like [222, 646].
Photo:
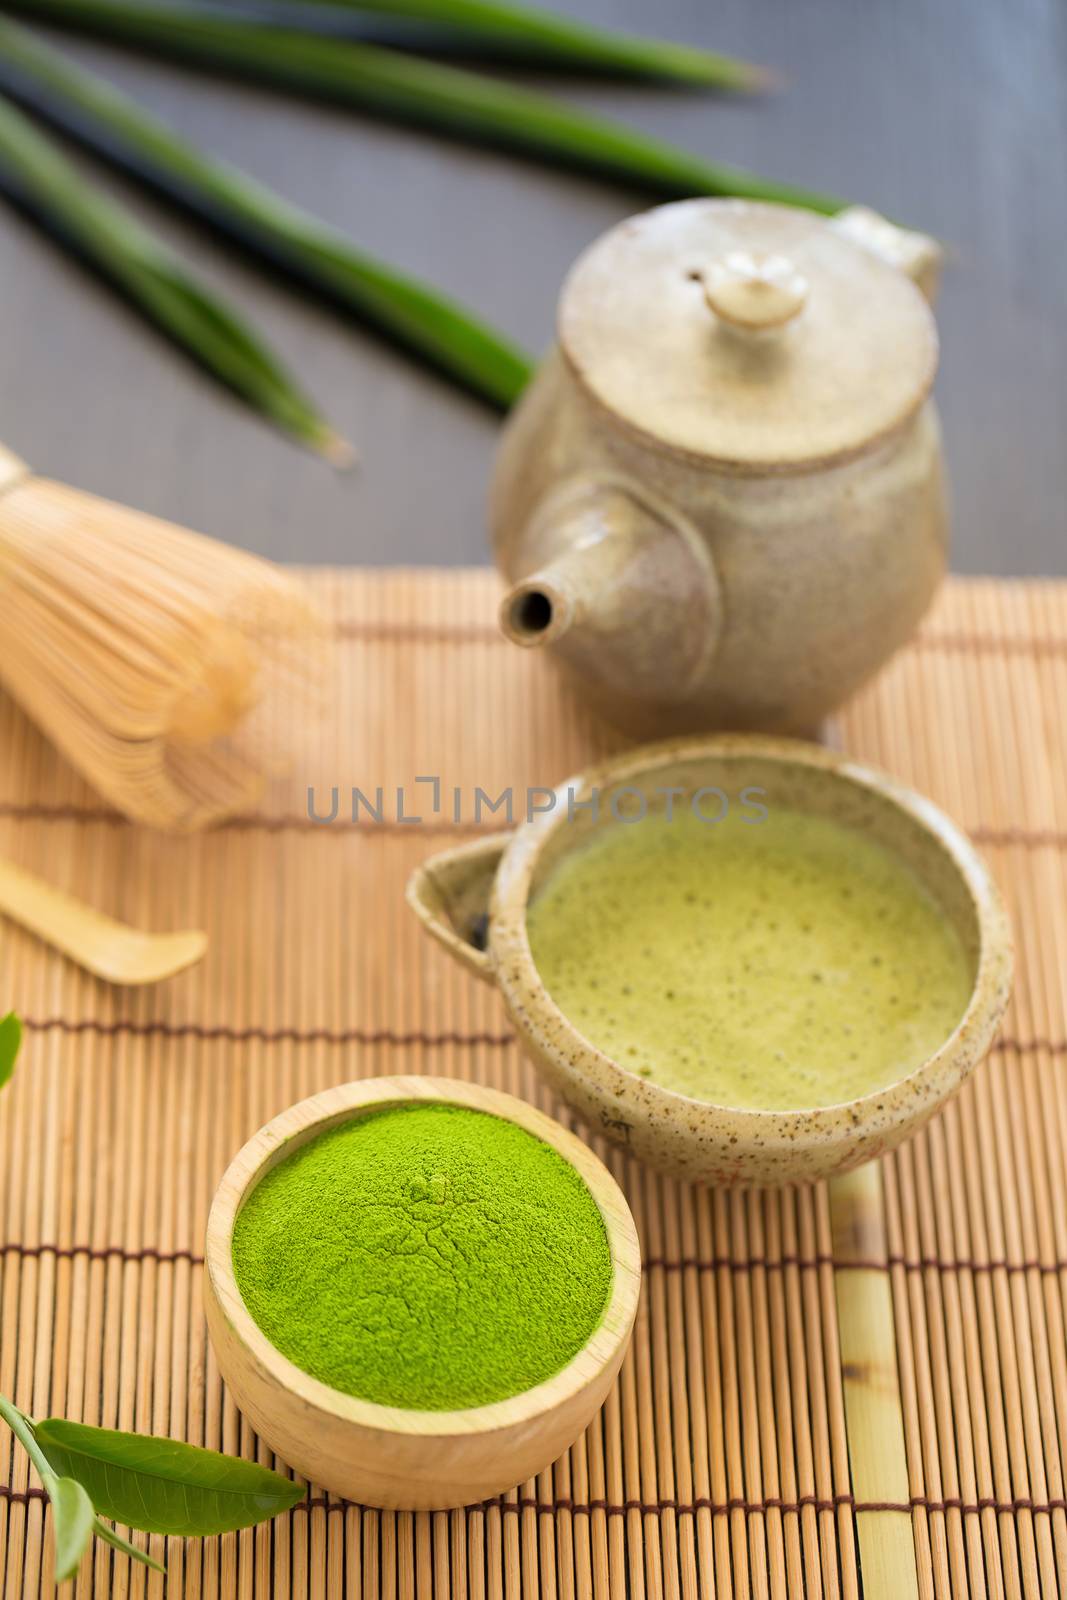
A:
[720, 503]
[474, 899]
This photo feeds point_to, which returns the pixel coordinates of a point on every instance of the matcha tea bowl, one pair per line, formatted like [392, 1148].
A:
[419, 1291]
[749, 960]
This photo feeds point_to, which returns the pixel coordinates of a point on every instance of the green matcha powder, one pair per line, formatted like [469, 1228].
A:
[427, 1256]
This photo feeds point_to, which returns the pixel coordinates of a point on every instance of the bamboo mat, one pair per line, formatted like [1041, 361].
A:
[720, 1465]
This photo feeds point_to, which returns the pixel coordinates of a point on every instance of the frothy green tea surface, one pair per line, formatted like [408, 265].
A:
[424, 1255]
[775, 965]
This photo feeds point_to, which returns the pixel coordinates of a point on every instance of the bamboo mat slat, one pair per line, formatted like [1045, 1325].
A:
[720, 1465]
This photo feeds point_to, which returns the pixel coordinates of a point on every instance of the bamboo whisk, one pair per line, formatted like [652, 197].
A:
[156, 659]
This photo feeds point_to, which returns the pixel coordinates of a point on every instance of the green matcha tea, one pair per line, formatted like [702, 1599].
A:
[424, 1255]
[776, 965]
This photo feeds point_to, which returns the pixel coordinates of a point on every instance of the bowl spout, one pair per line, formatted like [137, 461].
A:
[450, 896]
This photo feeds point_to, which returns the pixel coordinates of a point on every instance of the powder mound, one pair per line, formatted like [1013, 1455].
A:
[426, 1256]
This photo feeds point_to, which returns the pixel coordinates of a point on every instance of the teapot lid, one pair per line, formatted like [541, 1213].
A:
[755, 336]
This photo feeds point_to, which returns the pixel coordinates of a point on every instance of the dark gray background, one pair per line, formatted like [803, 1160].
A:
[951, 114]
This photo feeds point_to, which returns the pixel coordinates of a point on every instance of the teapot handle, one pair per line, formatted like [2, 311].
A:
[915, 254]
[450, 894]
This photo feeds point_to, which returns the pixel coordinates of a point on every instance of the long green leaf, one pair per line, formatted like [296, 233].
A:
[72, 1520]
[465, 104]
[10, 1040]
[36, 174]
[162, 1485]
[409, 311]
[556, 38]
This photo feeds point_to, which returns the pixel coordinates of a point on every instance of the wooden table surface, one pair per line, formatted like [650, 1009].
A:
[952, 116]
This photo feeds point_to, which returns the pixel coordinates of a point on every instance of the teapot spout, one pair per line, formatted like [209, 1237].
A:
[540, 609]
[626, 594]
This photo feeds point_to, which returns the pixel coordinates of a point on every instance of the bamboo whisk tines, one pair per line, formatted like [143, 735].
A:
[159, 661]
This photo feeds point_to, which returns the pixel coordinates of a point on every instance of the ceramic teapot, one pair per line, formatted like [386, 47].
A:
[720, 502]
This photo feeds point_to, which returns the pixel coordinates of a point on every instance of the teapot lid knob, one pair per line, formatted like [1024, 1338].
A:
[754, 292]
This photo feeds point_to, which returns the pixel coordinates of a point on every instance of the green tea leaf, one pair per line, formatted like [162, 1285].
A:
[72, 1511]
[10, 1040]
[162, 1485]
[117, 1542]
[72, 1523]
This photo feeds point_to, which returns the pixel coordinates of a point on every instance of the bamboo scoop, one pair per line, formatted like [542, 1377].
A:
[107, 948]
[159, 661]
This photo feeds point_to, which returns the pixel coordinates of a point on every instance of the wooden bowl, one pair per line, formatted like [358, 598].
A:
[389, 1456]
